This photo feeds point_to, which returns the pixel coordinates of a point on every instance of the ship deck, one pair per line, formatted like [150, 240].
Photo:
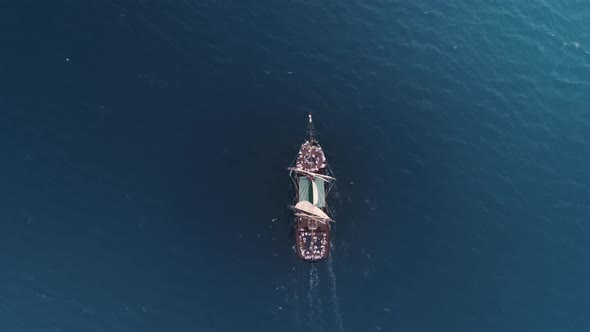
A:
[311, 158]
[312, 244]
[312, 237]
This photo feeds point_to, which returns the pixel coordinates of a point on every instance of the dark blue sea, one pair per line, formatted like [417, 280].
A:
[145, 146]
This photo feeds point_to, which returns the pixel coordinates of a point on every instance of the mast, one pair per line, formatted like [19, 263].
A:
[310, 130]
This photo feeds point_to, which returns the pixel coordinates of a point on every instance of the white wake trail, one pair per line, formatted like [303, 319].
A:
[315, 303]
[333, 291]
[295, 304]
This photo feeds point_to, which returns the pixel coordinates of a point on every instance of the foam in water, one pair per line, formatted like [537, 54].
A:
[333, 292]
[315, 303]
[311, 304]
[295, 301]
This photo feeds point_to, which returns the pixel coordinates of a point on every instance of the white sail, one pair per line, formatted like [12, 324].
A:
[309, 208]
[315, 193]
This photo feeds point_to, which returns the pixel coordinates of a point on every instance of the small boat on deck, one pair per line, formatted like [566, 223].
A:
[313, 180]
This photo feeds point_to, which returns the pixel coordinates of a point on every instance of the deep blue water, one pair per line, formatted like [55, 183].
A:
[145, 145]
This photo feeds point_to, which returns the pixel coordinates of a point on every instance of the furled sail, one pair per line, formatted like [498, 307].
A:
[307, 216]
[323, 177]
[311, 209]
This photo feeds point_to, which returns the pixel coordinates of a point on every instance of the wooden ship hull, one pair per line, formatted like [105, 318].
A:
[313, 181]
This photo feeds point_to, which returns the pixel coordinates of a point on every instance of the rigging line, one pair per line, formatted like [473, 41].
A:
[330, 211]
[295, 159]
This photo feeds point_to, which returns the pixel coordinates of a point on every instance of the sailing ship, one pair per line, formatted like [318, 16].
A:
[313, 181]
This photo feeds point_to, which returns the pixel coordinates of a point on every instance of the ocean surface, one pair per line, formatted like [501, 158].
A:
[143, 181]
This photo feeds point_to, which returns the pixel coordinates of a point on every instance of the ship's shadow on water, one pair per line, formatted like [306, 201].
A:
[313, 298]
